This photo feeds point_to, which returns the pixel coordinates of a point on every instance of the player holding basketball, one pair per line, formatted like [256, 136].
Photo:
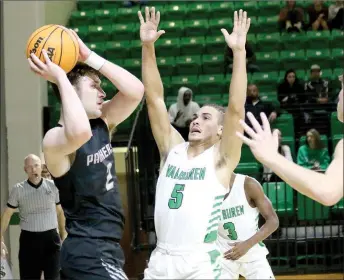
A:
[79, 156]
[239, 237]
[325, 188]
[194, 175]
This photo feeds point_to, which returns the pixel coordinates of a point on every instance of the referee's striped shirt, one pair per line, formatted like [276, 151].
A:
[36, 204]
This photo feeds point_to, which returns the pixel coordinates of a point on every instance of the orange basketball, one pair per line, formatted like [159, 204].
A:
[59, 42]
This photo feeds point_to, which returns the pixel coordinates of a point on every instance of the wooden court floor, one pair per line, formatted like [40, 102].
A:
[337, 276]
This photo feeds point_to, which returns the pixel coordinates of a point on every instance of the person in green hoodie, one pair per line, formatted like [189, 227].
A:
[313, 155]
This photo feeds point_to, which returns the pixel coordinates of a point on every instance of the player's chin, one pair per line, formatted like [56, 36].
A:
[194, 136]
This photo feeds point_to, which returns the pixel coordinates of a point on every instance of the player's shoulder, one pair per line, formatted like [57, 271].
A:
[50, 135]
[251, 182]
[338, 152]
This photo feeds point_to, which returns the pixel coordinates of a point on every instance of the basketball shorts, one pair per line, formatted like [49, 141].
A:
[168, 263]
[88, 258]
[259, 269]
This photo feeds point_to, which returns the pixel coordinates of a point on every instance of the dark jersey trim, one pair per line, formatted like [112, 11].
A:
[11, 206]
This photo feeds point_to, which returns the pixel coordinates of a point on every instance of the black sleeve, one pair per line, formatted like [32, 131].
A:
[11, 206]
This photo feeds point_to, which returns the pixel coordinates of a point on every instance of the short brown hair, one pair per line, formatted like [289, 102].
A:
[80, 70]
[219, 108]
[318, 142]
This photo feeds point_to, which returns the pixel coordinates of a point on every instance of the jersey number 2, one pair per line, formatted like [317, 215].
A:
[232, 234]
[176, 197]
[109, 180]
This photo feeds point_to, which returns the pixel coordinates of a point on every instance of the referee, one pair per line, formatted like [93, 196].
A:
[40, 212]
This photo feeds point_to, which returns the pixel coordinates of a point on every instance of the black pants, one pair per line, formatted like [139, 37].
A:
[91, 259]
[39, 251]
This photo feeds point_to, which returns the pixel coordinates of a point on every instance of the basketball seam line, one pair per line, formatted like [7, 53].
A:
[61, 47]
[39, 31]
[76, 54]
[47, 41]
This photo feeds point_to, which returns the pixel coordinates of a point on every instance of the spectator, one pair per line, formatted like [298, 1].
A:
[283, 150]
[313, 155]
[291, 17]
[316, 88]
[290, 91]
[182, 112]
[250, 59]
[45, 172]
[134, 3]
[336, 15]
[257, 106]
[318, 15]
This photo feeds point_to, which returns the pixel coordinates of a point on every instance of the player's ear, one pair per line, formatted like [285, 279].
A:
[220, 130]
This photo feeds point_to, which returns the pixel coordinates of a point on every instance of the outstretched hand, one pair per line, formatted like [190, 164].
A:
[149, 29]
[237, 40]
[263, 144]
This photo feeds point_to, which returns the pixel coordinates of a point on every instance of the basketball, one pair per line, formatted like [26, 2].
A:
[61, 45]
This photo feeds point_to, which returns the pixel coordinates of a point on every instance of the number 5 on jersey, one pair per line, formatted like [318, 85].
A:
[176, 197]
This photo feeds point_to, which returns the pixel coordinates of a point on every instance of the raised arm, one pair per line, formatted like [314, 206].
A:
[255, 194]
[131, 89]
[230, 146]
[325, 188]
[62, 141]
[166, 137]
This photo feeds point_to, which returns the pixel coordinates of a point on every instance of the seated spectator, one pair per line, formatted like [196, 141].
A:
[45, 172]
[291, 17]
[283, 150]
[313, 155]
[336, 15]
[318, 15]
[316, 88]
[290, 91]
[257, 106]
[250, 60]
[182, 112]
[134, 3]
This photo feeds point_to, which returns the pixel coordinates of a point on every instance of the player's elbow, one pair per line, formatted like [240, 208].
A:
[274, 222]
[330, 199]
[328, 193]
[237, 109]
[80, 138]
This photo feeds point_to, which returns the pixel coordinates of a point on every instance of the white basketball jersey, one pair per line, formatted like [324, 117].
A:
[188, 199]
[239, 222]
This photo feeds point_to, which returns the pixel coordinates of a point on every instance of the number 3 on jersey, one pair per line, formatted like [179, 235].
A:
[109, 180]
[232, 234]
[176, 197]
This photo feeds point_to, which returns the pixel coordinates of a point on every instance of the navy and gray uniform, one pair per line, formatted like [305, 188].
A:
[91, 202]
[39, 243]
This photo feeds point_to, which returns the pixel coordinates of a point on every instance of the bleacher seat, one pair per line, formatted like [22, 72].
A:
[212, 64]
[265, 81]
[337, 38]
[198, 10]
[196, 27]
[82, 32]
[82, 18]
[268, 42]
[285, 125]
[221, 9]
[166, 65]
[133, 65]
[167, 47]
[267, 24]
[337, 57]
[281, 197]
[336, 125]
[135, 48]
[246, 155]
[166, 81]
[105, 17]
[335, 139]
[99, 48]
[266, 8]
[339, 207]
[188, 65]
[310, 210]
[176, 11]
[88, 5]
[211, 84]
[127, 14]
[208, 99]
[318, 39]
[192, 45]
[173, 29]
[117, 49]
[293, 59]
[268, 61]
[251, 169]
[124, 31]
[109, 4]
[319, 56]
[293, 41]
[215, 45]
[184, 81]
[99, 33]
[250, 7]
[290, 141]
[216, 23]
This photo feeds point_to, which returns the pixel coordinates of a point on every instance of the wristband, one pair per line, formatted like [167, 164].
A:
[95, 61]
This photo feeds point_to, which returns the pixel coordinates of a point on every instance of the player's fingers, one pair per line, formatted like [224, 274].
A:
[235, 19]
[240, 18]
[275, 137]
[34, 68]
[147, 14]
[152, 14]
[244, 19]
[247, 141]
[248, 23]
[157, 18]
[160, 32]
[46, 57]
[224, 32]
[142, 21]
[37, 62]
[248, 129]
[266, 124]
[255, 123]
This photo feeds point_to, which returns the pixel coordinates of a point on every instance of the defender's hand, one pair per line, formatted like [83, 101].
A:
[239, 249]
[149, 29]
[236, 41]
[48, 70]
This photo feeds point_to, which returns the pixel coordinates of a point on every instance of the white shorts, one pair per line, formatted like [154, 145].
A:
[259, 269]
[164, 264]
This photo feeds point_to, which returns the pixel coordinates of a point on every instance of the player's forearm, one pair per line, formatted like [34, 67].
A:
[238, 84]
[5, 220]
[124, 81]
[270, 226]
[150, 73]
[305, 181]
[62, 226]
[76, 122]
